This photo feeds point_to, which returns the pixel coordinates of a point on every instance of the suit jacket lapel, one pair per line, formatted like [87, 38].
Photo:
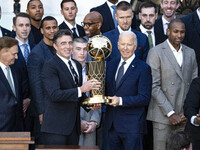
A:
[5, 81]
[65, 69]
[196, 22]
[169, 54]
[113, 73]
[132, 66]
[14, 74]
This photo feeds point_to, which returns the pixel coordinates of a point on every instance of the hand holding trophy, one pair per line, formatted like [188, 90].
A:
[99, 47]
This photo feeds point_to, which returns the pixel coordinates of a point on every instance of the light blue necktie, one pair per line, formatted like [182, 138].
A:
[114, 11]
[9, 79]
[26, 52]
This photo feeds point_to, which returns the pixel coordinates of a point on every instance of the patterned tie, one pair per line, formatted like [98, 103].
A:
[26, 52]
[73, 72]
[120, 73]
[9, 79]
[74, 33]
[114, 11]
[150, 39]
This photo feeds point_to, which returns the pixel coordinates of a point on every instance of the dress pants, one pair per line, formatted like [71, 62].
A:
[161, 133]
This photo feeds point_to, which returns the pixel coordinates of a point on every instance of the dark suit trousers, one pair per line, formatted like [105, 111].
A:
[57, 139]
[124, 141]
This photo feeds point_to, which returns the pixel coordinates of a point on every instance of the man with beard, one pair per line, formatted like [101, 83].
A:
[148, 15]
[69, 11]
[169, 8]
[173, 67]
[124, 16]
[35, 11]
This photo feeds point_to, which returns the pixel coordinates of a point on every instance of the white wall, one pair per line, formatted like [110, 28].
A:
[51, 7]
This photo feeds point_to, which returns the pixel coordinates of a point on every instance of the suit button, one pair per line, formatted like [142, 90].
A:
[172, 83]
[172, 94]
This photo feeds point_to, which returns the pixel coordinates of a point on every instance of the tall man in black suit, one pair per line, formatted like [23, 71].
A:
[192, 33]
[36, 12]
[62, 81]
[69, 10]
[4, 31]
[191, 111]
[107, 10]
[11, 95]
[169, 8]
[39, 55]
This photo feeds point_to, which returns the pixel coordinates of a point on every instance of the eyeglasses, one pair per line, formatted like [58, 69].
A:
[88, 24]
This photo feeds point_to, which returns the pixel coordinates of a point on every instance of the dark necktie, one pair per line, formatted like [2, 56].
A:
[114, 11]
[150, 39]
[120, 73]
[73, 72]
[26, 52]
[74, 33]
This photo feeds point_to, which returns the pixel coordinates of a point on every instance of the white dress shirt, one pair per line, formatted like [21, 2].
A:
[111, 9]
[120, 30]
[75, 68]
[128, 62]
[144, 30]
[20, 44]
[1, 34]
[3, 67]
[165, 24]
[70, 27]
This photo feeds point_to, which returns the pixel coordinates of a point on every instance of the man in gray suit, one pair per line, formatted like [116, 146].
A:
[89, 120]
[173, 67]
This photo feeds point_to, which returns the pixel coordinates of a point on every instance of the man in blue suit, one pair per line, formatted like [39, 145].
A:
[107, 12]
[11, 95]
[128, 84]
[38, 56]
[192, 33]
[124, 17]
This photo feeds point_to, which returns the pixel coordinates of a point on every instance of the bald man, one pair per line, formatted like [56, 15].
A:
[92, 24]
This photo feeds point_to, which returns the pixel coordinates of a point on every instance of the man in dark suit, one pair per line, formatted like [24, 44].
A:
[107, 11]
[169, 8]
[39, 55]
[36, 11]
[191, 111]
[62, 81]
[11, 95]
[22, 28]
[192, 33]
[128, 84]
[69, 11]
[4, 31]
[148, 14]
[124, 16]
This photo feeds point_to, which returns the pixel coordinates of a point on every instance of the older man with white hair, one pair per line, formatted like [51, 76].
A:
[128, 84]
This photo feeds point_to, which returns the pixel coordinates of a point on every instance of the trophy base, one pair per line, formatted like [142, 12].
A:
[97, 99]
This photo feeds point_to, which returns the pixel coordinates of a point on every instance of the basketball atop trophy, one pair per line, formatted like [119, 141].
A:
[99, 47]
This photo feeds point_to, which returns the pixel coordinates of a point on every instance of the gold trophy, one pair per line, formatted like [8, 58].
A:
[99, 47]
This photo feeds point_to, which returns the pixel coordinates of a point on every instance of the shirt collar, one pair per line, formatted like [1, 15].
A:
[110, 4]
[64, 59]
[120, 30]
[3, 67]
[144, 30]
[172, 47]
[20, 43]
[128, 61]
[69, 25]
[198, 12]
